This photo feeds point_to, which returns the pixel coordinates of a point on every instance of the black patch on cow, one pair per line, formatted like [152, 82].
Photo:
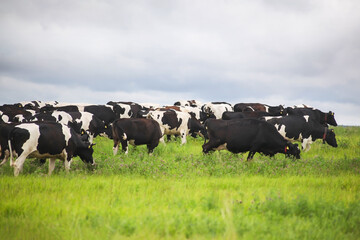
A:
[18, 137]
[51, 140]
[170, 118]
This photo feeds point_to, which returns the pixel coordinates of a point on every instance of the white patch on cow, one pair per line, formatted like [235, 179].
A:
[62, 117]
[281, 129]
[266, 108]
[217, 109]
[19, 118]
[306, 118]
[115, 149]
[124, 136]
[5, 118]
[85, 119]
[66, 132]
[31, 144]
[306, 142]
[28, 147]
[267, 118]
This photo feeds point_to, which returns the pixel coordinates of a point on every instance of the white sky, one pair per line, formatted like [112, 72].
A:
[269, 51]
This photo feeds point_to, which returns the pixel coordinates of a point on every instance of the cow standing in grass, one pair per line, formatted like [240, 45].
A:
[47, 140]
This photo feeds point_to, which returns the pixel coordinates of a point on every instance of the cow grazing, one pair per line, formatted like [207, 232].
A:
[216, 108]
[315, 114]
[176, 123]
[302, 129]
[136, 131]
[273, 110]
[244, 135]
[47, 140]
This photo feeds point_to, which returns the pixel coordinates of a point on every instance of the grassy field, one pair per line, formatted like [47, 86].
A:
[180, 193]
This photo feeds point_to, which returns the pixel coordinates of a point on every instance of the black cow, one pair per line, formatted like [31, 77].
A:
[315, 114]
[136, 131]
[246, 114]
[244, 135]
[273, 110]
[47, 140]
[303, 129]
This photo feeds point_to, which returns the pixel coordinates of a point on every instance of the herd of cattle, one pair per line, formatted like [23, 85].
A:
[61, 131]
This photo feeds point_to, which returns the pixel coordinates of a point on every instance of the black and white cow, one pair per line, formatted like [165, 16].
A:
[89, 123]
[136, 131]
[315, 114]
[176, 123]
[244, 135]
[127, 109]
[47, 140]
[14, 113]
[216, 108]
[302, 129]
[55, 116]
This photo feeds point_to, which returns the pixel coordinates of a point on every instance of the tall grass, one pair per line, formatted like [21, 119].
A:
[180, 193]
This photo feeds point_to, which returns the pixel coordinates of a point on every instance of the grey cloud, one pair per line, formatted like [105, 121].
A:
[209, 49]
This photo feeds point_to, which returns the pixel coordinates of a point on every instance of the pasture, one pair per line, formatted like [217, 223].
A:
[180, 193]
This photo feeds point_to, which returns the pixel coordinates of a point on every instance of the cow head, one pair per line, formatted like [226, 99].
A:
[292, 149]
[330, 118]
[196, 127]
[106, 130]
[329, 137]
[85, 152]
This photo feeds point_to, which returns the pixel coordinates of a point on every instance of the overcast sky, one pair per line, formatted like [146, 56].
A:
[269, 51]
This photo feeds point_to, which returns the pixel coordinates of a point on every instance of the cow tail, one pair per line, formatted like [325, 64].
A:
[11, 153]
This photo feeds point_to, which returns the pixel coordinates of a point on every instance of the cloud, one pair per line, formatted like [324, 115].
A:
[221, 51]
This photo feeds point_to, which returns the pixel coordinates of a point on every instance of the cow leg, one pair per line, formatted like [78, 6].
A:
[306, 142]
[116, 146]
[124, 146]
[162, 129]
[42, 161]
[211, 145]
[19, 163]
[67, 165]
[6, 157]
[250, 156]
[151, 147]
[183, 137]
[51, 165]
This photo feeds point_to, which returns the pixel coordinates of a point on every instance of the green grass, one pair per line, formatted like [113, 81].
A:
[180, 193]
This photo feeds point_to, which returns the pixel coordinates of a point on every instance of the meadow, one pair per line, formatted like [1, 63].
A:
[180, 193]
